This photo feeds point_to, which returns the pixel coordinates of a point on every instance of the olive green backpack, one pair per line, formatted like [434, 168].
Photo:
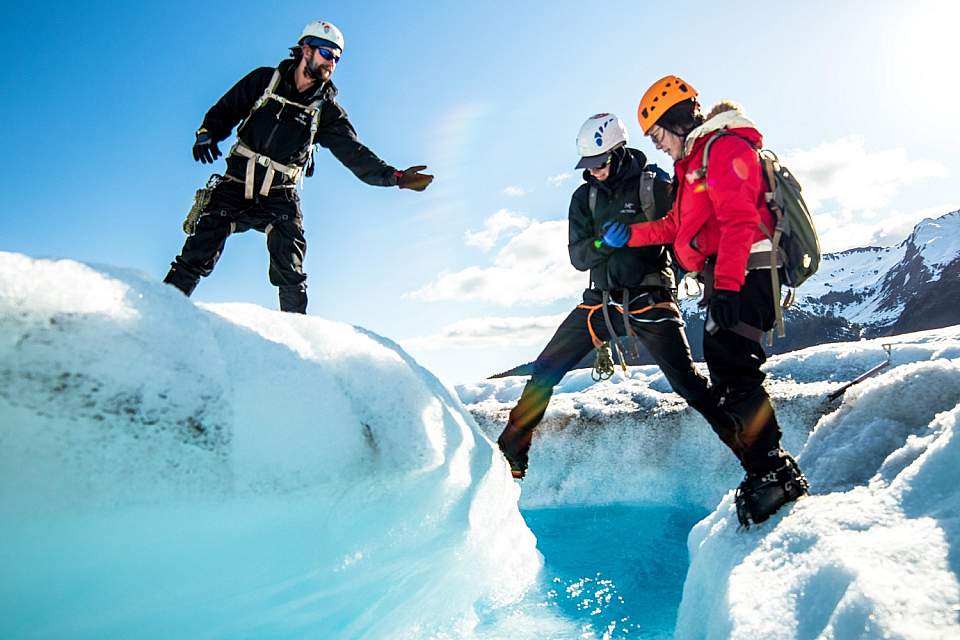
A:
[794, 236]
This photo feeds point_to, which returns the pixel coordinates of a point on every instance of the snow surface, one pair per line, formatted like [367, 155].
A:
[169, 470]
[874, 552]
[174, 471]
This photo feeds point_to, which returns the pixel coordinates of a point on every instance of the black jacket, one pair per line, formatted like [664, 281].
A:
[282, 132]
[618, 199]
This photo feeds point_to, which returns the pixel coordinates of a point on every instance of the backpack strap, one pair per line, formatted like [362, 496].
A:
[268, 92]
[648, 205]
[592, 205]
[767, 170]
[295, 173]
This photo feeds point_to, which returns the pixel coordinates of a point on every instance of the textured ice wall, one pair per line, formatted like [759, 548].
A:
[173, 471]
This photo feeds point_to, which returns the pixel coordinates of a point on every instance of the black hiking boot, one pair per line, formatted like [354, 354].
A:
[180, 278]
[760, 496]
[517, 461]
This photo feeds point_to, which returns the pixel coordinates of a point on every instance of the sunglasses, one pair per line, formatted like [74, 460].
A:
[606, 163]
[657, 134]
[325, 53]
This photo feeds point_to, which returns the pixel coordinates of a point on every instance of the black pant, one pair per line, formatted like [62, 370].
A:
[278, 215]
[734, 363]
[664, 339]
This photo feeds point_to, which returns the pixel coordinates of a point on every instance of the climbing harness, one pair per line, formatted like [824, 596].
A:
[293, 172]
[604, 366]
[273, 168]
[761, 257]
[872, 372]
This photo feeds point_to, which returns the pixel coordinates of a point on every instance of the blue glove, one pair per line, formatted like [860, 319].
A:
[615, 234]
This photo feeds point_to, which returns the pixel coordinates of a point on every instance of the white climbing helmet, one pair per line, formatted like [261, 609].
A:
[598, 136]
[324, 31]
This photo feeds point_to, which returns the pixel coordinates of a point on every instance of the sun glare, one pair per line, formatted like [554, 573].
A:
[925, 46]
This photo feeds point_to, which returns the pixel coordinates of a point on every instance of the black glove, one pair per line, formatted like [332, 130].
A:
[205, 150]
[725, 308]
[412, 178]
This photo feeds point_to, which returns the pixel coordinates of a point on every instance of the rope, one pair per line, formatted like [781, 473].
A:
[614, 338]
[592, 308]
[604, 366]
[628, 327]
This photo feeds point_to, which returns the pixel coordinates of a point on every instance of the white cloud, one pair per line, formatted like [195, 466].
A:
[838, 231]
[900, 225]
[532, 268]
[849, 189]
[503, 221]
[487, 332]
[514, 191]
[559, 179]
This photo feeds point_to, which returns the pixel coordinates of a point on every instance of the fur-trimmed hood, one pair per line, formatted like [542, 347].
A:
[724, 115]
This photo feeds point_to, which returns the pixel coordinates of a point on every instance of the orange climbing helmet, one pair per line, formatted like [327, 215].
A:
[662, 94]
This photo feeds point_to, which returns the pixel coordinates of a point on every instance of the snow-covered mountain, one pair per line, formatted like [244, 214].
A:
[878, 291]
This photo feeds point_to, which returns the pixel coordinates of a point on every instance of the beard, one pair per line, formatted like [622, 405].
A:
[317, 71]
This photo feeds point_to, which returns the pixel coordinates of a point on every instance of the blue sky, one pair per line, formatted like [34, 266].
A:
[101, 101]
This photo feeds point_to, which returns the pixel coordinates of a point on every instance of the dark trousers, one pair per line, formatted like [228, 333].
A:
[663, 339]
[734, 363]
[277, 215]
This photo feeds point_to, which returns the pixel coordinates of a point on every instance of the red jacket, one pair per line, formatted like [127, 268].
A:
[722, 217]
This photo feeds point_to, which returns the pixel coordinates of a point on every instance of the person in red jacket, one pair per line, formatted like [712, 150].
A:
[716, 227]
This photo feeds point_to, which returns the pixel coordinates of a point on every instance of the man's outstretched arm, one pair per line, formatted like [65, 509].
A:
[338, 135]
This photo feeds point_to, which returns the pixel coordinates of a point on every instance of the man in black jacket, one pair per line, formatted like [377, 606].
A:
[635, 283]
[282, 113]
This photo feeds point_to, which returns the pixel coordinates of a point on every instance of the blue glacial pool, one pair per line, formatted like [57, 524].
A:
[614, 571]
